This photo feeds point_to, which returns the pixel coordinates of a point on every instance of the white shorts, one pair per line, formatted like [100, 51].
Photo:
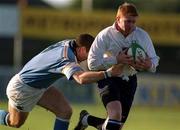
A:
[21, 96]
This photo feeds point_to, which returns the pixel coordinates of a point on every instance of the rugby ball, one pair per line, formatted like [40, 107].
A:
[136, 51]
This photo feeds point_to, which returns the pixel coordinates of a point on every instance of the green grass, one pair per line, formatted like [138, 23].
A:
[140, 118]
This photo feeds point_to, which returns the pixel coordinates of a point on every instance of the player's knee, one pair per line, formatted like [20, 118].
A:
[16, 123]
[64, 112]
[115, 114]
[114, 110]
[68, 112]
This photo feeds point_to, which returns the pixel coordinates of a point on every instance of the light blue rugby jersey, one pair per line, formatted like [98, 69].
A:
[51, 64]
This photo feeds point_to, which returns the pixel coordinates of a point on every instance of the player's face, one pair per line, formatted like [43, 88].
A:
[82, 54]
[127, 23]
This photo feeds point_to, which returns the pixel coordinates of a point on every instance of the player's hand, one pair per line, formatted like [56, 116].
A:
[123, 58]
[142, 64]
[116, 70]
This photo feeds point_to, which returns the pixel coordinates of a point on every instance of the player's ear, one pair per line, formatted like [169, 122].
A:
[117, 18]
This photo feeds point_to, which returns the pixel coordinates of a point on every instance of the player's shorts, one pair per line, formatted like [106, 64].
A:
[21, 96]
[115, 88]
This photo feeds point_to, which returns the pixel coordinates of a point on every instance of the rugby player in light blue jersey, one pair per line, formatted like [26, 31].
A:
[32, 85]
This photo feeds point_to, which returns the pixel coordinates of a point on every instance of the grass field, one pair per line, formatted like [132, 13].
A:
[140, 118]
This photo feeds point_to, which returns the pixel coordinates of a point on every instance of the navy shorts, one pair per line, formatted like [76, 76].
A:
[115, 88]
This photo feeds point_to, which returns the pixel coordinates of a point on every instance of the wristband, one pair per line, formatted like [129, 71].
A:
[107, 74]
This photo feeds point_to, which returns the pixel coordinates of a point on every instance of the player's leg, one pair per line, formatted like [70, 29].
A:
[127, 96]
[124, 91]
[113, 122]
[54, 101]
[110, 94]
[86, 119]
[18, 109]
[13, 117]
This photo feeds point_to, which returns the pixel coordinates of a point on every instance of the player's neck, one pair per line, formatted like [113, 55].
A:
[124, 33]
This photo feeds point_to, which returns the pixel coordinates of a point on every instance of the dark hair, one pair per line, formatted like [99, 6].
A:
[85, 40]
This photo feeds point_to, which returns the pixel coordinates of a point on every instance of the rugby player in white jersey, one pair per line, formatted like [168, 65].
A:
[32, 85]
[117, 93]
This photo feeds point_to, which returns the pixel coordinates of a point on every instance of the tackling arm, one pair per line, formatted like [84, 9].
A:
[82, 77]
[88, 77]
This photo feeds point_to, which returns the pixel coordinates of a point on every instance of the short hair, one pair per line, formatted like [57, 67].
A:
[128, 9]
[85, 40]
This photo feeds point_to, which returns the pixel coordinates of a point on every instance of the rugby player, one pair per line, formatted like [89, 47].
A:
[32, 85]
[117, 93]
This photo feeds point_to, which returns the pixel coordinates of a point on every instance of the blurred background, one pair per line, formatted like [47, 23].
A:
[28, 26]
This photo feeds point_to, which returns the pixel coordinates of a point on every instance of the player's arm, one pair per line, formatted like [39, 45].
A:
[82, 77]
[96, 59]
[154, 59]
[142, 64]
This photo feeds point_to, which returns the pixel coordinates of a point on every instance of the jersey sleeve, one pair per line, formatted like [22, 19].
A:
[149, 47]
[69, 64]
[70, 68]
[96, 59]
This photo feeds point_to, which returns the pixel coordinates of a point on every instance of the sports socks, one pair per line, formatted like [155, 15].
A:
[61, 124]
[111, 124]
[106, 124]
[95, 121]
[3, 117]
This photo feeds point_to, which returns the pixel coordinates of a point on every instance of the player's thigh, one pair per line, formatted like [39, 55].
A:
[16, 117]
[127, 97]
[109, 92]
[54, 100]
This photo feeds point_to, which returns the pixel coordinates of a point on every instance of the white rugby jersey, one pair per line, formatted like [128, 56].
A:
[110, 42]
